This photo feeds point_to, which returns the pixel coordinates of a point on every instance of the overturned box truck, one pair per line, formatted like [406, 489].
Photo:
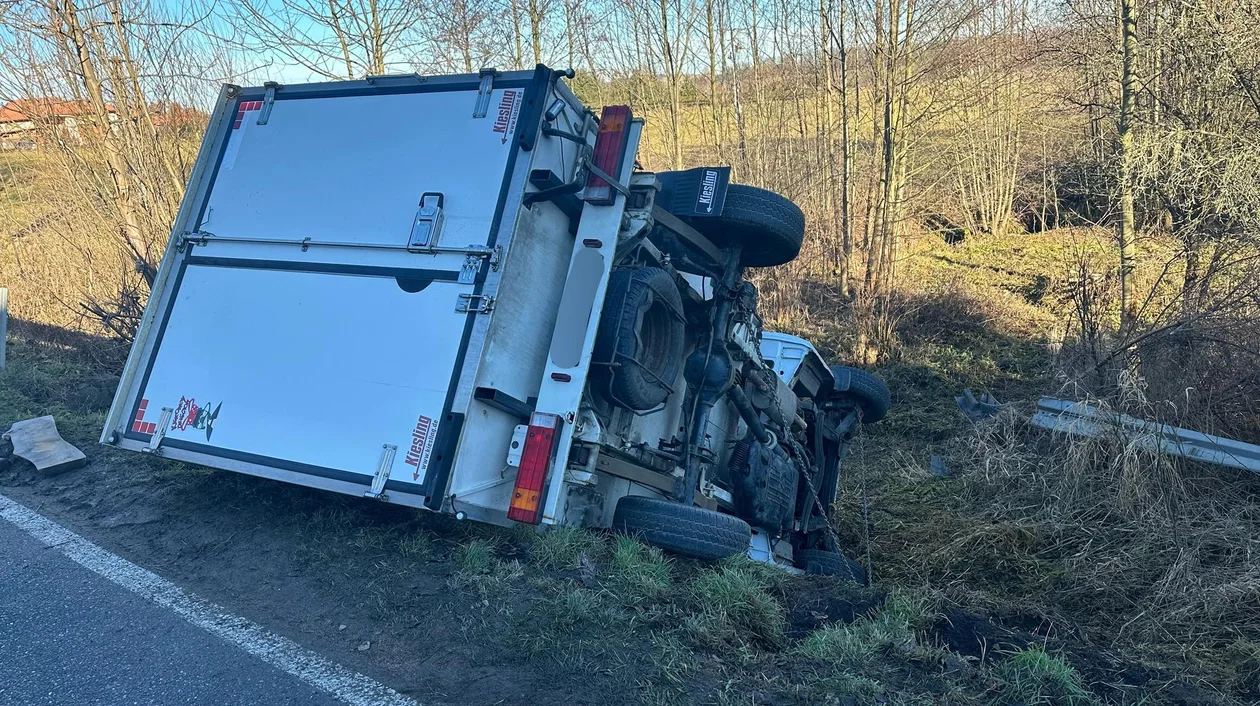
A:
[458, 293]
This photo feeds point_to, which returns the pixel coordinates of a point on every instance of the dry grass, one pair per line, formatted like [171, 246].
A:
[1142, 550]
[1139, 553]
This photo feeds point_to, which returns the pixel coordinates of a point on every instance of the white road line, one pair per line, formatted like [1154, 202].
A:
[282, 653]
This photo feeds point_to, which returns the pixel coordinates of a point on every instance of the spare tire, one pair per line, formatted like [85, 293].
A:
[868, 390]
[682, 529]
[639, 342]
[769, 227]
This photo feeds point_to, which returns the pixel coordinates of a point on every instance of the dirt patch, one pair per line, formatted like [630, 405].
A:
[995, 637]
[979, 636]
[821, 601]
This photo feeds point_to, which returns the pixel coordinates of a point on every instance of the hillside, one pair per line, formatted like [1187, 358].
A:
[982, 594]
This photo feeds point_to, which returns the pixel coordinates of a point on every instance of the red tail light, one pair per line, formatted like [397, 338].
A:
[610, 149]
[540, 446]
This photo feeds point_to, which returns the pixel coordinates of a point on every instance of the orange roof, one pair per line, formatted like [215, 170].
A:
[43, 108]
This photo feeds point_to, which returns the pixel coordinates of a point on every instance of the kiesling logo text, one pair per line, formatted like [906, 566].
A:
[421, 446]
[708, 189]
[505, 121]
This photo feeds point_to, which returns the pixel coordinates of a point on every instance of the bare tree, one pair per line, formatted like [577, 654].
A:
[1124, 134]
[458, 35]
[333, 39]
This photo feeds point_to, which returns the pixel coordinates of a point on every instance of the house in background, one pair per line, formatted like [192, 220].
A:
[173, 116]
[25, 123]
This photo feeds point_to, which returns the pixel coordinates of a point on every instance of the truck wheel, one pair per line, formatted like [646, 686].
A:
[639, 343]
[682, 529]
[867, 389]
[824, 563]
[769, 227]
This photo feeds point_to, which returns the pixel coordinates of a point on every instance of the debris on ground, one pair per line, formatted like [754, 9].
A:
[978, 409]
[37, 441]
[1084, 419]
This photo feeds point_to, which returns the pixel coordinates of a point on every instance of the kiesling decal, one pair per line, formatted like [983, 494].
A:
[708, 189]
[421, 446]
[189, 414]
[505, 121]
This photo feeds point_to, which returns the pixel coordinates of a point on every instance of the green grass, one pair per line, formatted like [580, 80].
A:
[563, 547]
[41, 380]
[733, 605]
[476, 557]
[638, 574]
[1035, 677]
[894, 627]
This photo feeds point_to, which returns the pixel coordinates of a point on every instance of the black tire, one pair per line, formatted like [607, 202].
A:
[642, 332]
[682, 529]
[770, 227]
[867, 389]
[821, 562]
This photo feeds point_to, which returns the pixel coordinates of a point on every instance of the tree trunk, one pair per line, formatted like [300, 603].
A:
[335, 21]
[124, 196]
[1128, 30]
[713, 103]
[568, 31]
[737, 104]
[535, 28]
[675, 92]
[828, 134]
[518, 48]
[846, 162]
[378, 39]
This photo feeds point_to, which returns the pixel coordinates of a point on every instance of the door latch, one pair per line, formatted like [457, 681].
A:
[428, 222]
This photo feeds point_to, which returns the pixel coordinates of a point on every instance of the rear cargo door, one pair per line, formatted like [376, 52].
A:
[303, 330]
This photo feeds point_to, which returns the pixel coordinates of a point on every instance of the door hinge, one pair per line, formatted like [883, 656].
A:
[382, 472]
[155, 439]
[482, 106]
[472, 265]
[269, 100]
[474, 304]
[473, 256]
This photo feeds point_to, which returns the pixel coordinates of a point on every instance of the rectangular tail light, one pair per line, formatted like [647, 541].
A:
[536, 459]
[610, 149]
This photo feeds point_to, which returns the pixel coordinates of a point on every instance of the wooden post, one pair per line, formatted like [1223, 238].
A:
[4, 322]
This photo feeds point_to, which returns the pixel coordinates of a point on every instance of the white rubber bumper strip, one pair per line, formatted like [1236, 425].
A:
[280, 652]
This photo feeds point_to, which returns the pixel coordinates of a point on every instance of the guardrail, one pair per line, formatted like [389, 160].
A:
[1083, 419]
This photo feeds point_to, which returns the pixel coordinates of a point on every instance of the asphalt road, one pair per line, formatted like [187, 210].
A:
[69, 636]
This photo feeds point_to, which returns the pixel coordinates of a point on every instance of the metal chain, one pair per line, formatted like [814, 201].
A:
[813, 490]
